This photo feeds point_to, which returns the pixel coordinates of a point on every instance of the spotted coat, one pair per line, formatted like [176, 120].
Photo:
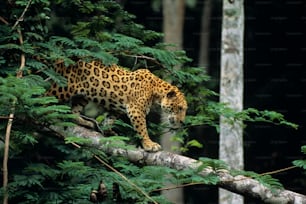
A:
[115, 88]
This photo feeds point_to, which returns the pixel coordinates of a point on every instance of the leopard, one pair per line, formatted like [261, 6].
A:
[117, 89]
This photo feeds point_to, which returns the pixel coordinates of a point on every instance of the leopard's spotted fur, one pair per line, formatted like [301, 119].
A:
[118, 89]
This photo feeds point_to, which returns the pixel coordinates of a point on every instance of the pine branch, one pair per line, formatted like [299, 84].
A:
[238, 184]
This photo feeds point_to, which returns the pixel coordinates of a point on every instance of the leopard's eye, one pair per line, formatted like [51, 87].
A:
[180, 108]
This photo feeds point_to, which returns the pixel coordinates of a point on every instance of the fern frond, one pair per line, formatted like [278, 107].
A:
[10, 46]
[81, 53]
[28, 181]
[36, 65]
[35, 80]
[63, 41]
[105, 57]
[213, 163]
[301, 163]
[87, 43]
[55, 77]
[35, 36]
[123, 42]
[42, 169]
[81, 29]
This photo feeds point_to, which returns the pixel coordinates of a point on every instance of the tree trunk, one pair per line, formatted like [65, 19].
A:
[239, 184]
[173, 24]
[231, 90]
[173, 21]
[204, 35]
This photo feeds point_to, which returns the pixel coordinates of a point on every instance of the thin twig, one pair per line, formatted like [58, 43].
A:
[265, 173]
[144, 57]
[278, 171]
[3, 20]
[200, 183]
[22, 15]
[177, 186]
[6, 117]
[22, 57]
[5, 156]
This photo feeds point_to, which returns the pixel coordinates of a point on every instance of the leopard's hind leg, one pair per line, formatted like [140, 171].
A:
[78, 104]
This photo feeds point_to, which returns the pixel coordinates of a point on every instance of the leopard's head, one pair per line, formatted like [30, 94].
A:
[175, 106]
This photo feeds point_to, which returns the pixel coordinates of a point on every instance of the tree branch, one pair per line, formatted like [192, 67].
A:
[22, 15]
[5, 156]
[238, 184]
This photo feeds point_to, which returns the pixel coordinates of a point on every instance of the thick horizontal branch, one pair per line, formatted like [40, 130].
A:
[239, 184]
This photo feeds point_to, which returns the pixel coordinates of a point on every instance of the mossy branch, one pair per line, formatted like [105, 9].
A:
[236, 183]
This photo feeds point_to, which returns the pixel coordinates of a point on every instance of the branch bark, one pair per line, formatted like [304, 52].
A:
[5, 157]
[238, 184]
[231, 90]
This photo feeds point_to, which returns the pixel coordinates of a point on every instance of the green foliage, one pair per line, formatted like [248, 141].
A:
[55, 172]
[212, 163]
[254, 115]
[47, 170]
[301, 162]
[192, 176]
[303, 149]
[25, 99]
[211, 112]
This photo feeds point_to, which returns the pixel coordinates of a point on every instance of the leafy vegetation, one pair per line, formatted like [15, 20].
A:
[45, 169]
[301, 163]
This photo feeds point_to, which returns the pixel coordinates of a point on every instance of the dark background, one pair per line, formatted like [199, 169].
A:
[275, 79]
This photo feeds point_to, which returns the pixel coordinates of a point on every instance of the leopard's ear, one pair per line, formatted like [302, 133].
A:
[171, 94]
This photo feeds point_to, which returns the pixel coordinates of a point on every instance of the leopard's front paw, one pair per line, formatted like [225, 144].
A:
[150, 146]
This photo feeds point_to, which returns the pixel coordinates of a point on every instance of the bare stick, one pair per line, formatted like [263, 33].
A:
[11, 116]
[5, 156]
[22, 15]
[3, 20]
